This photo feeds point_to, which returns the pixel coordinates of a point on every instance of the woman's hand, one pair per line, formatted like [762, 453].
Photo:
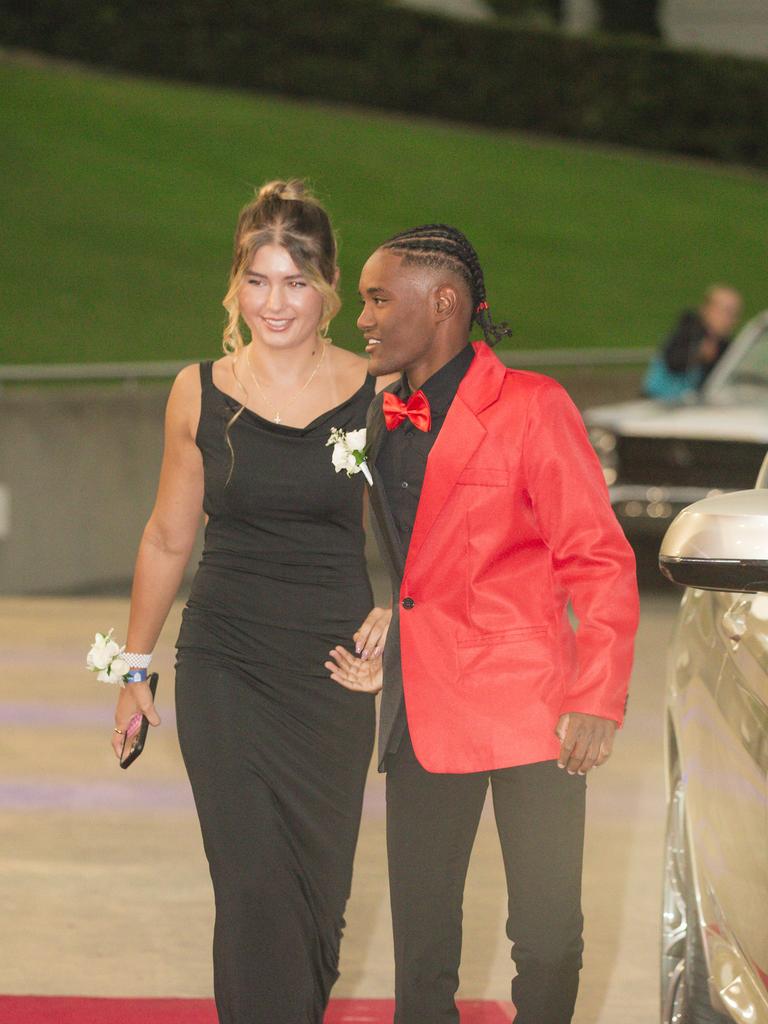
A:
[354, 673]
[371, 636]
[133, 698]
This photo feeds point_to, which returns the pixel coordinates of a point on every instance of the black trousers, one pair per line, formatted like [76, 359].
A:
[431, 825]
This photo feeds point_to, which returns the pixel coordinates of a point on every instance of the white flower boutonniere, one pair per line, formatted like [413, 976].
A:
[106, 658]
[349, 452]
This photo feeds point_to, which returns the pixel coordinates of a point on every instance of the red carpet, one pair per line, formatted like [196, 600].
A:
[66, 1010]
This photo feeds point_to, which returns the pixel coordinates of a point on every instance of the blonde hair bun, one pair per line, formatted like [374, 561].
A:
[286, 190]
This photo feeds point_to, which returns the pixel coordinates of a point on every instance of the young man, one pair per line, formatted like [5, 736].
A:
[491, 513]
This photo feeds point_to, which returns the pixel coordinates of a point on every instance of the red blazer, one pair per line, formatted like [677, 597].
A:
[514, 520]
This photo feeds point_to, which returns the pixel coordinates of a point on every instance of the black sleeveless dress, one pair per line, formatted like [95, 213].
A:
[276, 752]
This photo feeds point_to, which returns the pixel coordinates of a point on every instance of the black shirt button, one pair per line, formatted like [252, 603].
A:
[408, 602]
[404, 483]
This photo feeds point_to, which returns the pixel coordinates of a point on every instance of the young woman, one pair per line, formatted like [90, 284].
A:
[276, 753]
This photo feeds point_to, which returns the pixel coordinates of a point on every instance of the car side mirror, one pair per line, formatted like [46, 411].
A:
[719, 543]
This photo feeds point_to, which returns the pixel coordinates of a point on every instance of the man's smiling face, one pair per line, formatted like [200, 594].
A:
[397, 318]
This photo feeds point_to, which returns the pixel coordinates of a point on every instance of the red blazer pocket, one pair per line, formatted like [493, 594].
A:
[510, 657]
[503, 636]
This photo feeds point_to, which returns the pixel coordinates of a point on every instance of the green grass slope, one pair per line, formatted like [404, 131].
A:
[119, 198]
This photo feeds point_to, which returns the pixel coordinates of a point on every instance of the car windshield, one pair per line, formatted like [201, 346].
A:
[751, 371]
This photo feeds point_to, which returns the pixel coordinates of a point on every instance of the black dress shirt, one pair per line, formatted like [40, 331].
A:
[402, 458]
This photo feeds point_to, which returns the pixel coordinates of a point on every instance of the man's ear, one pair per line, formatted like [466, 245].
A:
[445, 300]
[337, 277]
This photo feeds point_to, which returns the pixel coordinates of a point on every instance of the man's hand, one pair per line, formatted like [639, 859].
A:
[587, 741]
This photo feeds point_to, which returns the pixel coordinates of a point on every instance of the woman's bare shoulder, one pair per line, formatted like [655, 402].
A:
[187, 382]
[226, 378]
[353, 367]
[346, 358]
[349, 367]
[184, 401]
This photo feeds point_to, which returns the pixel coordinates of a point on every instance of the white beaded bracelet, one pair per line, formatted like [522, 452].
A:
[137, 660]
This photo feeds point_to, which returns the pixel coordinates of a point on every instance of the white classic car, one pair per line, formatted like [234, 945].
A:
[658, 457]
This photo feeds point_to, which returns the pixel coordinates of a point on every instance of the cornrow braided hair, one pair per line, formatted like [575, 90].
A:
[444, 247]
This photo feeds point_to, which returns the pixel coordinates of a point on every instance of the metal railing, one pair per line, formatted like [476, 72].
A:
[131, 373]
[577, 356]
[128, 373]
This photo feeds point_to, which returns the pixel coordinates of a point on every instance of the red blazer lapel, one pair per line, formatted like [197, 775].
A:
[457, 442]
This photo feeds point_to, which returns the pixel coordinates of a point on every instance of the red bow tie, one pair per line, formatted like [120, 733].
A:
[416, 409]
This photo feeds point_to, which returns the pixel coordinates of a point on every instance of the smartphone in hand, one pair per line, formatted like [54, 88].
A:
[136, 733]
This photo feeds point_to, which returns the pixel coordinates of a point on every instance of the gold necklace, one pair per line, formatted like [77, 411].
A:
[292, 399]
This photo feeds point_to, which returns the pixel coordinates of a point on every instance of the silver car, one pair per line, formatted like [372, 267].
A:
[714, 958]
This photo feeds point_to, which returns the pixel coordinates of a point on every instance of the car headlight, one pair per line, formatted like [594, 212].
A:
[604, 443]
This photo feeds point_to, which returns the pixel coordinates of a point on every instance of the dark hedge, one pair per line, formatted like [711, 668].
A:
[620, 90]
[640, 16]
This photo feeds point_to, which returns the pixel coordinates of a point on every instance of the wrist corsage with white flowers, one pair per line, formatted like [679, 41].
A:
[349, 452]
[113, 664]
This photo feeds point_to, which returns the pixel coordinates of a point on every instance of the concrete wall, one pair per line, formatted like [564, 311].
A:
[78, 470]
[580, 15]
[728, 26]
[475, 10]
[739, 27]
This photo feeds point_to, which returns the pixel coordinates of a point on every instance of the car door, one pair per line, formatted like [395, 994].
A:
[730, 814]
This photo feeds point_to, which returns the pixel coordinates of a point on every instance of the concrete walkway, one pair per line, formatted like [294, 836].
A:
[103, 884]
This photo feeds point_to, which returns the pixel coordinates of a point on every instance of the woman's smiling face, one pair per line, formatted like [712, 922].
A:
[277, 302]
